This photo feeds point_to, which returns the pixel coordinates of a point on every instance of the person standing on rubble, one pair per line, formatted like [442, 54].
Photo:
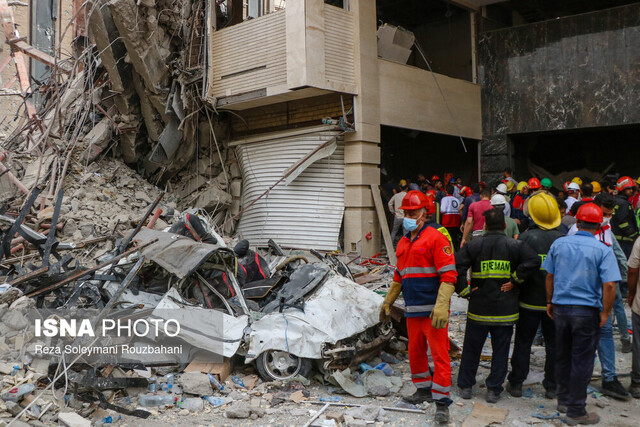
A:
[581, 287]
[623, 221]
[496, 262]
[425, 274]
[541, 234]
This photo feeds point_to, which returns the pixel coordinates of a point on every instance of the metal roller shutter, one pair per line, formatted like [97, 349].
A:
[306, 213]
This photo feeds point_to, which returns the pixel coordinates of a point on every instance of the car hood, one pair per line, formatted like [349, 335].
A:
[339, 309]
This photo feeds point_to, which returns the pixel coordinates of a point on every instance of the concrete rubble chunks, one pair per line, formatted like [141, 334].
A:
[142, 48]
[105, 35]
[71, 419]
[98, 138]
[213, 197]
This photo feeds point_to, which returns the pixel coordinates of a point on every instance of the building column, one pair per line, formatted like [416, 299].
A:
[362, 150]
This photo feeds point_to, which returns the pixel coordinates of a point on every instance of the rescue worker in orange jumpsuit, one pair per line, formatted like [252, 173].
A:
[426, 274]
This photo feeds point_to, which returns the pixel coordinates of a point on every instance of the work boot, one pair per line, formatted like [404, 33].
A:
[550, 393]
[634, 390]
[493, 396]
[514, 390]
[561, 408]
[420, 396]
[588, 418]
[626, 346]
[466, 393]
[614, 389]
[442, 413]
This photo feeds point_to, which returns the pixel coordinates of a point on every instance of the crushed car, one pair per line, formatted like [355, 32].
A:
[285, 314]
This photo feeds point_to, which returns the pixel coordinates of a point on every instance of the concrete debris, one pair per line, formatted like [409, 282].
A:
[71, 419]
[195, 383]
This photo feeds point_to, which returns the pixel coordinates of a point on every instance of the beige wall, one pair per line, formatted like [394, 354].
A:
[9, 105]
[409, 98]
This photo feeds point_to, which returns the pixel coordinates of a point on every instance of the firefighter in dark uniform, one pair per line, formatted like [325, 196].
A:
[496, 262]
[541, 234]
[623, 222]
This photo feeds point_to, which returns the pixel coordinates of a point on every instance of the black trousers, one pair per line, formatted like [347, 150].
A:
[577, 336]
[525, 334]
[474, 337]
[456, 237]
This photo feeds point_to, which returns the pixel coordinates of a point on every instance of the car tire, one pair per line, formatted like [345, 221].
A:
[274, 365]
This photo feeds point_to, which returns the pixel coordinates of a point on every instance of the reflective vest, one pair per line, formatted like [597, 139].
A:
[423, 263]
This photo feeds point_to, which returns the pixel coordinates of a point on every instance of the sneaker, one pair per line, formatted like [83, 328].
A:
[466, 393]
[626, 346]
[442, 413]
[492, 396]
[588, 418]
[634, 390]
[514, 390]
[614, 389]
[561, 408]
[420, 396]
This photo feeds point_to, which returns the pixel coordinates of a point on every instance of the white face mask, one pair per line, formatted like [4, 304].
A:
[605, 222]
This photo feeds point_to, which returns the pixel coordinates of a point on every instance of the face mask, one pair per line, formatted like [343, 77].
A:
[605, 222]
[409, 224]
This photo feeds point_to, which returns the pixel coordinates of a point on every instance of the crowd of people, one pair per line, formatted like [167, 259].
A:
[558, 264]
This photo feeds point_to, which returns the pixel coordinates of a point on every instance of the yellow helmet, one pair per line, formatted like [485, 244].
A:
[577, 180]
[596, 187]
[510, 185]
[402, 183]
[544, 211]
[521, 185]
[638, 180]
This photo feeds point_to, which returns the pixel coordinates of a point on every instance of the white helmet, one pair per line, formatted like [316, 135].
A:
[498, 199]
[502, 188]
[573, 186]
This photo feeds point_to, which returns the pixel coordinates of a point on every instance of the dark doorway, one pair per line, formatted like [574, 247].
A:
[406, 153]
[588, 153]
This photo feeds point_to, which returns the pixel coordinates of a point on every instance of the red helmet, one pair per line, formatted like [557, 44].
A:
[534, 184]
[465, 191]
[624, 183]
[566, 186]
[435, 178]
[417, 200]
[589, 212]
[432, 194]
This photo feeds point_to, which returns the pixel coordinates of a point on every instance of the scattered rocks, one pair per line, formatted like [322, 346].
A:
[196, 383]
[238, 410]
[379, 390]
[71, 419]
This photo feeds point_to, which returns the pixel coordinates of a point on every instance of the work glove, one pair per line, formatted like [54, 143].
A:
[440, 312]
[392, 295]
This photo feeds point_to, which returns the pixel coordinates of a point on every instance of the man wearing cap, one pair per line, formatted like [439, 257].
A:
[541, 234]
[581, 287]
[394, 207]
[587, 196]
[573, 190]
[498, 201]
[426, 275]
[497, 263]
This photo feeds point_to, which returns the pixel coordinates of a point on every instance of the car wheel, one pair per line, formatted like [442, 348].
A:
[279, 365]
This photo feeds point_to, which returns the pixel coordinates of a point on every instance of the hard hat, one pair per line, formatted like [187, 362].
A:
[416, 200]
[544, 211]
[402, 183]
[534, 183]
[573, 186]
[501, 188]
[509, 185]
[596, 186]
[521, 185]
[589, 212]
[546, 183]
[624, 183]
[498, 199]
[577, 180]
[565, 186]
[435, 178]
[638, 180]
[432, 194]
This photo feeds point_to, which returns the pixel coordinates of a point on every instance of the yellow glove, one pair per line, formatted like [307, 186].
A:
[440, 312]
[392, 295]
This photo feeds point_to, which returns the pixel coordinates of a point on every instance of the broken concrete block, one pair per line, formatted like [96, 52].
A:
[72, 419]
[141, 44]
[213, 197]
[98, 138]
[15, 320]
[195, 383]
[238, 410]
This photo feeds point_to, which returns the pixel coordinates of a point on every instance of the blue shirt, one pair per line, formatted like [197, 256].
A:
[580, 264]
